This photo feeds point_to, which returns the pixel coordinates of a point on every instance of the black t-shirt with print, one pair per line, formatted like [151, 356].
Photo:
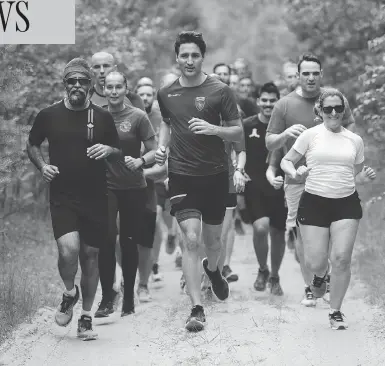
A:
[80, 178]
[212, 101]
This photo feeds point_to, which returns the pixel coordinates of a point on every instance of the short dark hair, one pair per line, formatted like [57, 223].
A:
[190, 37]
[269, 87]
[222, 64]
[309, 57]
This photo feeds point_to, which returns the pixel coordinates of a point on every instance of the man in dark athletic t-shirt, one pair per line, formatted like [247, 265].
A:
[193, 108]
[81, 136]
[102, 64]
[264, 197]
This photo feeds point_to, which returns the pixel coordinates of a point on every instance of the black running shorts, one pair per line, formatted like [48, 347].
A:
[199, 196]
[259, 204]
[90, 220]
[321, 211]
[231, 202]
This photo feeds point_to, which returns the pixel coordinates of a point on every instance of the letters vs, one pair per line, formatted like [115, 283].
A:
[6, 8]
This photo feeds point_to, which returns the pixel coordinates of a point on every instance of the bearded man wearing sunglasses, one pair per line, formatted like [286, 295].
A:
[291, 116]
[80, 136]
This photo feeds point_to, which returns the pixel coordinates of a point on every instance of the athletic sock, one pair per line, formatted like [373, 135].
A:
[88, 313]
[331, 311]
[71, 293]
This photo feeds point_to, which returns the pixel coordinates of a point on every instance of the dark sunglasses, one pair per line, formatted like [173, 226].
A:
[82, 81]
[337, 108]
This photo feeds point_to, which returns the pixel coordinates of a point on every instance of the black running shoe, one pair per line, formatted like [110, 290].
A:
[275, 287]
[197, 319]
[261, 281]
[219, 284]
[105, 308]
[337, 321]
[128, 308]
[65, 310]
[318, 286]
[228, 274]
[85, 331]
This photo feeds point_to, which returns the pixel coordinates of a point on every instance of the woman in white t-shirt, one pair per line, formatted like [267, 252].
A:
[329, 209]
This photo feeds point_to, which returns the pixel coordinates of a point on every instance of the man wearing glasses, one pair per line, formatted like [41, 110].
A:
[292, 115]
[80, 136]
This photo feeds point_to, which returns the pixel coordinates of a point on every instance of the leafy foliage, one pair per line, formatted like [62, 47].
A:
[338, 32]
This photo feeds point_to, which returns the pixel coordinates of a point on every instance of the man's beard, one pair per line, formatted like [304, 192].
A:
[76, 99]
[148, 108]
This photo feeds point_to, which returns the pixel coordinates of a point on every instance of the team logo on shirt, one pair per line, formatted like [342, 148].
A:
[254, 133]
[200, 103]
[125, 126]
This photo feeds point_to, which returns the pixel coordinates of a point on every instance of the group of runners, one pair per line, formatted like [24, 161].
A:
[217, 150]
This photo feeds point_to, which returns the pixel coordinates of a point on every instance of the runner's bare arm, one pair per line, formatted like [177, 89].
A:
[164, 134]
[367, 174]
[150, 146]
[232, 131]
[35, 155]
[288, 162]
[275, 140]
[156, 172]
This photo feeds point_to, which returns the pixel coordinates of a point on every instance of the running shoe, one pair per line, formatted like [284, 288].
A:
[228, 274]
[318, 286]
[208, 294]
[171, 244]
[156, 276]
[197, 319]
[85, 331]
[128, 308]
[105, 308]
[337, 321]
[219, 285]
[326, 297]
[309, 299]
[143, 294]
[65, 310]
[275, 287]
[261, 280]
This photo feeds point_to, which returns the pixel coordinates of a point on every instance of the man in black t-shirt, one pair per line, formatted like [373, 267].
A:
[192, 108]
[80, 136]
[264, 195]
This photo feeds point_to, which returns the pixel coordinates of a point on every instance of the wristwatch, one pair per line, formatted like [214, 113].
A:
[143, 161]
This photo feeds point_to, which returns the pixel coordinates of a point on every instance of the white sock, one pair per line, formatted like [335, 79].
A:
[70, 292]
[88, 313]
[331, 311]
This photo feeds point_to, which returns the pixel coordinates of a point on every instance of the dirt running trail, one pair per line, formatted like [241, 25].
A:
[249, 329]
